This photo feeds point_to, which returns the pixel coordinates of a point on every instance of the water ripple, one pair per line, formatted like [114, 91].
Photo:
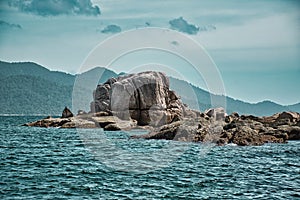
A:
[50, 163]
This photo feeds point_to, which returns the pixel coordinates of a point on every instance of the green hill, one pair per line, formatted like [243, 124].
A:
[23, 94]
[33, 69]
[28, 88]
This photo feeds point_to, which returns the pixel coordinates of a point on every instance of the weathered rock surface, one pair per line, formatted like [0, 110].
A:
[144, 97]
[144, 101]
[214, 126]
[49, 122]
[90, 120]
[76, 122]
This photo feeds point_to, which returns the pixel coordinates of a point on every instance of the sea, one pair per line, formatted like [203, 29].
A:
[52, 163]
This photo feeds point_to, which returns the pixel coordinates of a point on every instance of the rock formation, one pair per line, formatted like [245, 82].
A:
[66, 113]
[144, 97]
[241, 130]
[144, 101]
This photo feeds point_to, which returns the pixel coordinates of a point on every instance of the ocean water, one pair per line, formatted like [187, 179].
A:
[39, 163]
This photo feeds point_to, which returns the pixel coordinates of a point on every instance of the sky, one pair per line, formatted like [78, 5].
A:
[254, 44]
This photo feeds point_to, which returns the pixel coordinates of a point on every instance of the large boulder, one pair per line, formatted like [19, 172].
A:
[144, 97]
[289, 116]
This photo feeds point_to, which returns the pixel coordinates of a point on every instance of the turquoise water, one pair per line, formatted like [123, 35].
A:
[51, 163]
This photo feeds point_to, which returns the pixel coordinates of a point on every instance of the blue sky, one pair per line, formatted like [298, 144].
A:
[255, 44]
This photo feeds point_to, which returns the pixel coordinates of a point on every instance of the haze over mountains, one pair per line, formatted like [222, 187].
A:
[30, 89]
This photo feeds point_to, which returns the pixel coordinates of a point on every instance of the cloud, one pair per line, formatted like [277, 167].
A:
[56, 7]
[182, 25]
[6, 25]
[111, 29]
[175, 43]
[207, 28]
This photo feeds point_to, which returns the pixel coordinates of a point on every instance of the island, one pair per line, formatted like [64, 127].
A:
[144, 101]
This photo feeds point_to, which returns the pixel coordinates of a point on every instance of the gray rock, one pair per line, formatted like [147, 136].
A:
[144, 97]
[104, 120]
[166, 132]
[112, 127]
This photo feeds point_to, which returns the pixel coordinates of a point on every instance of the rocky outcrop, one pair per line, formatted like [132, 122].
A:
[89, 120]
[144, 101]
[144, 97]
[71, 122]
[48, 122]
[217, 127]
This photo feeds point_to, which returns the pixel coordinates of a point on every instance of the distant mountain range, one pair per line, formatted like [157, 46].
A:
[29, 89]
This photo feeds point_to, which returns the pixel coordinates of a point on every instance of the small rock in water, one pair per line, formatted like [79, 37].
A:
[66, 113]
[112, 127]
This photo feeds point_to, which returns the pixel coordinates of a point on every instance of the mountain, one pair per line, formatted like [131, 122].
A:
[23, 94]
[33, 69]
[29, 88]
[190, 94]
[294, 107]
